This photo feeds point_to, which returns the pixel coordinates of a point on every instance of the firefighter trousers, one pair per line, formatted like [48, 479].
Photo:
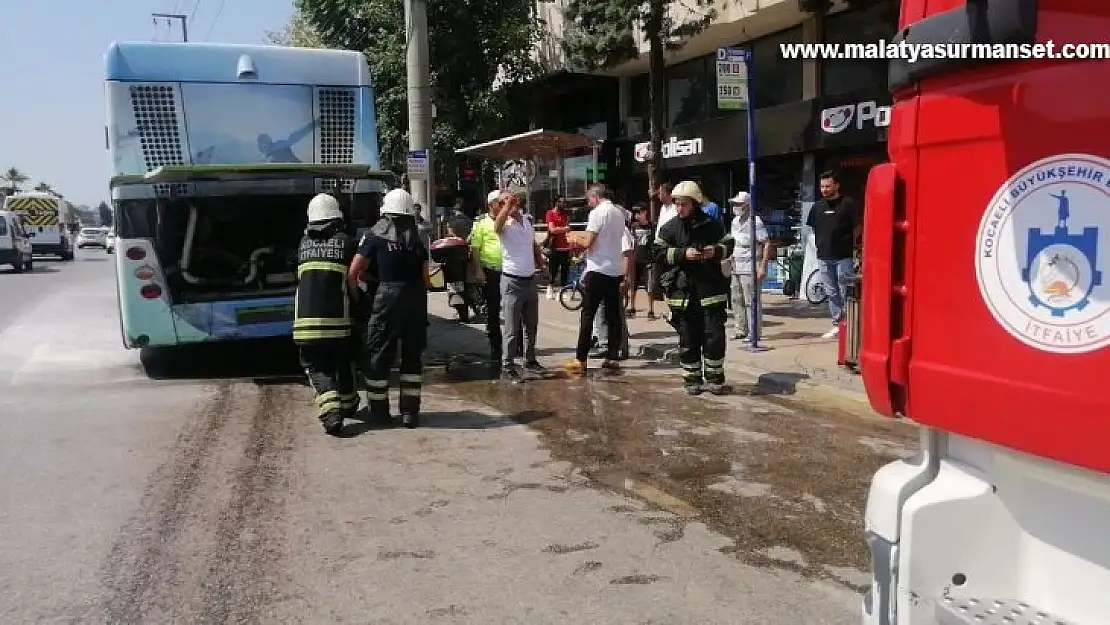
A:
[398, 325]
[701, 342]
[330, 367]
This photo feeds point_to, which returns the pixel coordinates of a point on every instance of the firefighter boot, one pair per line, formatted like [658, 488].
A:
[411, 387]
[377, 392]
[333, 422]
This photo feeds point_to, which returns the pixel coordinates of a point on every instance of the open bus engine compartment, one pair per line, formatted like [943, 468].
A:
[226, 248]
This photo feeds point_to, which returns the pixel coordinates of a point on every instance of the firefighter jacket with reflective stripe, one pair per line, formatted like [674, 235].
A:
[682, 280]
[323, 304]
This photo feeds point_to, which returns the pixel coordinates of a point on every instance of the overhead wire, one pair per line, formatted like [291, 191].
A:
[215, 19]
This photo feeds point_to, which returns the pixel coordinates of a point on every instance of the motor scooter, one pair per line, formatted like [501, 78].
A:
[453, 256]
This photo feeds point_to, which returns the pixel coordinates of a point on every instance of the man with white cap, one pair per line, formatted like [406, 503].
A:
[486, 248]
[747, 276]
[322, 327]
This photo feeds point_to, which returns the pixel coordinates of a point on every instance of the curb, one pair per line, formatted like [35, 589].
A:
[778, 383]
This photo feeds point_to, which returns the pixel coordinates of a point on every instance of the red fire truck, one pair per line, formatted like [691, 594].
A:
[986, 319]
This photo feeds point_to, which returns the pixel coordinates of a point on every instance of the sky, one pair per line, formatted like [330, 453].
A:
[52, 59]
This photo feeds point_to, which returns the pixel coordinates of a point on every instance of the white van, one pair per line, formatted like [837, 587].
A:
[15, 243]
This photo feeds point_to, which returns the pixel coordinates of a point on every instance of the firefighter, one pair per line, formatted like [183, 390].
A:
[689, 252]
[322, 327]
[394, 257]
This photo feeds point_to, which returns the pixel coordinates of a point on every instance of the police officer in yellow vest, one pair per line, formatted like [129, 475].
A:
[393, 255]
[486, 248]
[322, 325]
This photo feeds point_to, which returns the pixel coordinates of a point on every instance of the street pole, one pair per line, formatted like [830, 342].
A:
[420, 105]
[756, 309]
[184, 19]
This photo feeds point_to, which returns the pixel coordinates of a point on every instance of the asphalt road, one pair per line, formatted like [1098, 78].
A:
[212, 496]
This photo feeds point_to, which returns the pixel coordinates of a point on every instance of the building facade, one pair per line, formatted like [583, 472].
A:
[811, 115]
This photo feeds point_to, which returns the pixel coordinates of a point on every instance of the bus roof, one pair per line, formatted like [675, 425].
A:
[226, 63]
[261, 171]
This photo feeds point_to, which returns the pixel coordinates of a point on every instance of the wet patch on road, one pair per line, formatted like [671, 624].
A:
[565, 549]
[786, 483]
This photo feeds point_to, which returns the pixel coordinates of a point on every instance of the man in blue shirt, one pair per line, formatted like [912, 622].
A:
[713, 210]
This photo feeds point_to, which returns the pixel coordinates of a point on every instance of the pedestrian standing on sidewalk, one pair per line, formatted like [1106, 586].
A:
[520, 260]
[558, 228]
[322, 328]
[667, 212]
[485, 246]
[690, 252]
[603, 280]
[393, 254]
[643, 231]
[602, 333]
[747, 276]
[837, 227]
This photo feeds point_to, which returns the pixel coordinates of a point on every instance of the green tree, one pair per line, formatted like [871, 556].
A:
[14, 177]
[480, 53]
[298, 33]
[603, 33]
[105, 213]
[46, 187]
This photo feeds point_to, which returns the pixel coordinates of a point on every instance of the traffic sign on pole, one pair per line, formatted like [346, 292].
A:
[418, 165]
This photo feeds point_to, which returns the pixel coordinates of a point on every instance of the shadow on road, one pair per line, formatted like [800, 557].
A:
[463, 420]
[265, 361]
[275, 361]
[39, 268]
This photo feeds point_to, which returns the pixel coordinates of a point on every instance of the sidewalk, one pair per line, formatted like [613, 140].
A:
[795, 359]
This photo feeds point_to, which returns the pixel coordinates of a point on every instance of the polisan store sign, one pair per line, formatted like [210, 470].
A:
[672, 148]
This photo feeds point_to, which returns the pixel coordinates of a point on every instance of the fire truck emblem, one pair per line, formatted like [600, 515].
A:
[1038, 260]
[1060, 266]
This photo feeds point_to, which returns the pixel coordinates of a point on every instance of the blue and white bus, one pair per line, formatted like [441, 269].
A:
[216, 150]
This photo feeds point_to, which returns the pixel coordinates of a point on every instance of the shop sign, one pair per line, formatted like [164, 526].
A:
[861, 114]
[672, 148]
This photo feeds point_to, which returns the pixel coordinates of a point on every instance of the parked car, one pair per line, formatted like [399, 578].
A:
[92, 237]
[110, 241]
[15, 243]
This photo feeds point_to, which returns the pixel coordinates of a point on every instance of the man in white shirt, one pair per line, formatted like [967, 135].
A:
[601, 328]
[520, 302]
[667, 208]
[603, 279]
[747, 276]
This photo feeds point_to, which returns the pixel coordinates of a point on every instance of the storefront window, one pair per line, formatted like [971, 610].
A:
[868, 25]
[688, 91]
[638, 97]
[776, 80]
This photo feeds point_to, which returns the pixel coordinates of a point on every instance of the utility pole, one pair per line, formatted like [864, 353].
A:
[175, 16]
[420, 104]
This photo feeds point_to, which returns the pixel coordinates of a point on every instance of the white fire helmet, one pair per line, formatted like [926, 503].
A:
[688, 189]
[324, 207]
[398, 202]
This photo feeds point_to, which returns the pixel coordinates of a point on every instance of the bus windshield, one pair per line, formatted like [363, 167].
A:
[236, 232]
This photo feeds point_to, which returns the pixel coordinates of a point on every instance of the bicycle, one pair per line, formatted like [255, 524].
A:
[570, 296]
[815, 290]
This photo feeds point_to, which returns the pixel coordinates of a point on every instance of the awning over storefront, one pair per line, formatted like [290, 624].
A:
[532, 144]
